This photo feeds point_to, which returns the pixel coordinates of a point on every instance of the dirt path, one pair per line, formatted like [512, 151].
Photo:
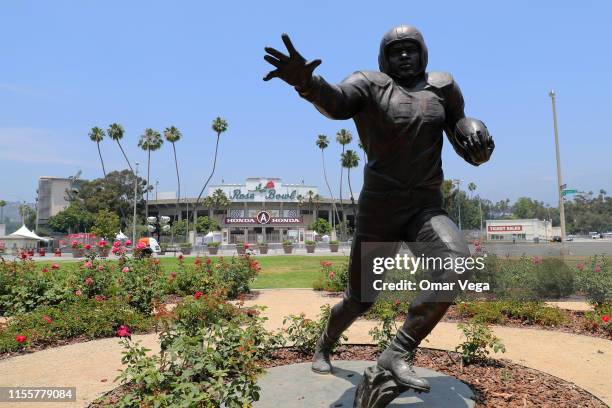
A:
[91, 367]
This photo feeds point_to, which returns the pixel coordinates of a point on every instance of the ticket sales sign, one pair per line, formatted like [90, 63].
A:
[505, 228]
[264, 217]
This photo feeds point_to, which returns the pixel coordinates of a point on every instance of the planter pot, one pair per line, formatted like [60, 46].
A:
[103, 252]
[78, 252]
[263, 250]
[41, 253]
[288, 249]
[241, 250]
[334, 247]
[213, 250]
[310, 249]
[186, 251]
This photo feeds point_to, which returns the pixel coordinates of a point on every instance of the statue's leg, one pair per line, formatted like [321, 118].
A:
[372, 226]
[440, 238]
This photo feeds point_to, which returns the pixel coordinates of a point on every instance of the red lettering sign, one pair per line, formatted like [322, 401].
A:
[505, 228]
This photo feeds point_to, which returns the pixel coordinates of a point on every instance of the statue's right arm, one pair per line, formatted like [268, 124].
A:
[341, 101]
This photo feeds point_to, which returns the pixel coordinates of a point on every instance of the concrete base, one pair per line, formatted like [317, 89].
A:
[296, 386]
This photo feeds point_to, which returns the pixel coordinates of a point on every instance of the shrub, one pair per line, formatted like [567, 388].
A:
[383, 335]
[287, 242]
[86, 318]
[479, 341]
[237, 274]
[310, 242]
[334, 278]
[528, 312]
[595, 279]
[215, 365]
[213, 244]
[142, 283]
[601, 317]
[303, 333]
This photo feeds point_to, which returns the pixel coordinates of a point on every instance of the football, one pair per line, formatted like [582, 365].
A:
[473, 136]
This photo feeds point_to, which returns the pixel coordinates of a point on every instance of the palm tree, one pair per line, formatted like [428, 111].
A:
[97, 135]
[219, 126]
[115, 131]
[173, 135]
[365, 158]
[2, 205]
[343, 137]
[149, 141]
[471, 187]
[322, 143]
[350, 160]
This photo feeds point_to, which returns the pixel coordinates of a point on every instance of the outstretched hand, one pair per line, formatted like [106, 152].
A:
[293, 68]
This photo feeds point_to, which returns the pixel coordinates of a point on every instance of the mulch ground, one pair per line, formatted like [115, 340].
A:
[495, 383]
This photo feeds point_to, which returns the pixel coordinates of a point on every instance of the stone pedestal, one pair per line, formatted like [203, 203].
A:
[296, 386]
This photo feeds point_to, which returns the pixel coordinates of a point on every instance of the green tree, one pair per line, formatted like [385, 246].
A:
[350, 160]
[179, 228]
[218, 200]
[322, 143]
[343, 137]
[115, 132]
[115, 192]
[75, 218]
[150, 141]
[28, 216]
[106, 224]
[219, 126]
[206, 224]
[471, 187]
[97, 135]
[320, 226]
[173, 135]
[365, 158]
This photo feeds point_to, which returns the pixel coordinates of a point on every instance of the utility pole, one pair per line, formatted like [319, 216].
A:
[135, 200]
[458, 183]
[559, 179]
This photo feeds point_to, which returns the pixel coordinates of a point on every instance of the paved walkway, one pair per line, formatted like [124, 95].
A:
[91, 367]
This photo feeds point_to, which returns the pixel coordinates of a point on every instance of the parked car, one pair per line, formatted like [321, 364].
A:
[556, 238]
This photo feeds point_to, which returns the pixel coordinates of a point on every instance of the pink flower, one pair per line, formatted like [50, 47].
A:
[47, 319]
[398, 302]
[54, 266]
[331, 275]
[605, 318]
[88, 247]
[141, 245]
[580, 266]
[128, 243]
[89, 281]
[597, 269]
[124, 331]
[172, 275]
[21, 338]
[78, 292]
[45, 269]
[99, 298]
[115, 250]
[116, 244]
[101, 268]
[125, 269]
[536, 260]
[197, 295]
[74, 243]
[102, 243]
[88, 264]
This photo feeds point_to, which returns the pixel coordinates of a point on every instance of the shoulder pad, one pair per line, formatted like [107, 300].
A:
[439, 79]
[378, 78]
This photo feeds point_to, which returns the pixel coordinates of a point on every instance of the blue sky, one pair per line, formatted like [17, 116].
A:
[68, 66]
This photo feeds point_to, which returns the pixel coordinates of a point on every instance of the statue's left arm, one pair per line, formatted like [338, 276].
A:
[470, 137]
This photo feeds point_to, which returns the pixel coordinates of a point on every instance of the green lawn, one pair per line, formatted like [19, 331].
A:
[282, 271]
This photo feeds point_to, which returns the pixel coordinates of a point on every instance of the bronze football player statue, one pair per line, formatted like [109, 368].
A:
[400, 114]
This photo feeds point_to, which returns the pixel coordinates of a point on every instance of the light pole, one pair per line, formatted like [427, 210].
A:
[559, 180]
[458, 183]
[135, 199]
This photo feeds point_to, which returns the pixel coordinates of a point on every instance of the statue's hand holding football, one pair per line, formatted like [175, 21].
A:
[293, 68]
[473, 137]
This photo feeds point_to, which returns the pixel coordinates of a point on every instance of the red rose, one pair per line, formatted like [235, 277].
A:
[102, 243]
[580, 266]
[54, 266]
[398, 302]
[172, 275]
[270, 184]
[116, 244]
[197, 295]
[89, 281]
[198, 261]
[331, 275]
[21, 339]
[606, 318]
[124, 331]
[45, 270]
[88, 247]
[47, 319]
[208, 261]
[128, 243]
[180, 257]
[597, 269]
[99, 298]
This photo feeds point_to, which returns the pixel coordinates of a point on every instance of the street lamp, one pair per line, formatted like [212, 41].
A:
[135, 198]
[458, 182]
[559, 180]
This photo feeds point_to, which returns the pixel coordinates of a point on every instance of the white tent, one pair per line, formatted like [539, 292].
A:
[121, 236]
[25, 233]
